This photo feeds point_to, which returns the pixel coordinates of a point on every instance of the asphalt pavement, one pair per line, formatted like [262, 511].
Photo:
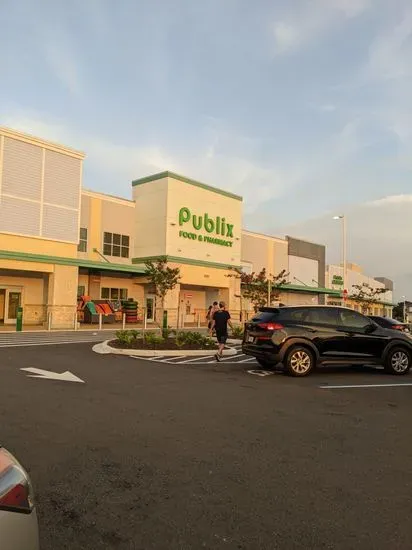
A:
[150, 455]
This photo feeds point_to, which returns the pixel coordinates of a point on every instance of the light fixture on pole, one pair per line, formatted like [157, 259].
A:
[343, 218]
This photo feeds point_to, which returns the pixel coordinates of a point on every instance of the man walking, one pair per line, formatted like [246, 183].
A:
[221, 319]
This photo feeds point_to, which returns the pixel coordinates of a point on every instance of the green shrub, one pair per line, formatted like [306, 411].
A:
[192, 338]
[237, 332]
[153, 339]
[134, 334]
[123, 337]
[180, 339]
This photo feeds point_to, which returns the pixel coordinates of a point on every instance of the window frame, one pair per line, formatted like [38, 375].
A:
[111, 290]
[114, 242]
[83, 241]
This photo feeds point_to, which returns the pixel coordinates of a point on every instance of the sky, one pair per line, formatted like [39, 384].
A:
[303, 107]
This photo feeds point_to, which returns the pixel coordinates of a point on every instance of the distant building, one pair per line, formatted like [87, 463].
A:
[355, 276]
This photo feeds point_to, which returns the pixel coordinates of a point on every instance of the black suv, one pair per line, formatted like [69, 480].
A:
[302, 337]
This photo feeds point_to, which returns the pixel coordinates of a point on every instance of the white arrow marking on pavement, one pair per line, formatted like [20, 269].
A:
[64, 376]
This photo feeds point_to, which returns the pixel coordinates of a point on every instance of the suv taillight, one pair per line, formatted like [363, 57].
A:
[270, 326]
[16, 492]
[398, 327]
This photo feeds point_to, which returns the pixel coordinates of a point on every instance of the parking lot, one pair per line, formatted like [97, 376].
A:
[198, 454]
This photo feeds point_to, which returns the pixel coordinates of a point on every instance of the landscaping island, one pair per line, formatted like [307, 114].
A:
[165, 343]
[167, 340]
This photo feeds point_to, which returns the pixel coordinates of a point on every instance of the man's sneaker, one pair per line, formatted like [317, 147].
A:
[218, 357]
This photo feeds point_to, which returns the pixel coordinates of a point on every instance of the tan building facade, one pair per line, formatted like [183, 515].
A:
[59, 241]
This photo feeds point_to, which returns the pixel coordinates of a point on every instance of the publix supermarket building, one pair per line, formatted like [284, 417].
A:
[59, 241]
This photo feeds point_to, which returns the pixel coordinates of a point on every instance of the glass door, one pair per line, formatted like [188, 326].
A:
[13, 302]
[150, 308]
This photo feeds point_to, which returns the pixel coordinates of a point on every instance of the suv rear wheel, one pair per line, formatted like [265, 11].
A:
[299, 361]
[398, 361]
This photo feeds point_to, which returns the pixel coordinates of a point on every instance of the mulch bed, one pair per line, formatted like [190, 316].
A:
[169, 344]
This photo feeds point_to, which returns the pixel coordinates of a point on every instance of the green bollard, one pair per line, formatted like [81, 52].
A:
[164, 321]
[19, 319]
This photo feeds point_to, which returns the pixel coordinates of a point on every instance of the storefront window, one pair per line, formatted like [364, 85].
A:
[114, 294]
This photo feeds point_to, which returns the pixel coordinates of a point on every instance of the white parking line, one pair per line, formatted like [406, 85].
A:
[196, 359]
[247, 360]
[364, 386]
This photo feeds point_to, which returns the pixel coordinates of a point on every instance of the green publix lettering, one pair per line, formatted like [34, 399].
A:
[210, 225]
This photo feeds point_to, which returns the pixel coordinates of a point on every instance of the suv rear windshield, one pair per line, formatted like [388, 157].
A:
[266, 316]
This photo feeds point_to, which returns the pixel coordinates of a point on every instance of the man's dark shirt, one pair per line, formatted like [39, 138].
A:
[221, 317]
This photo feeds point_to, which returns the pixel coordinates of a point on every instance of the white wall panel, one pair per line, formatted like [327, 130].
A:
[19, 216]
[22, 169]
[60, 224]
[61, 180]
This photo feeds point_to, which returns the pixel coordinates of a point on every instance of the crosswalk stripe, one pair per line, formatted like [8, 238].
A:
[197, 359]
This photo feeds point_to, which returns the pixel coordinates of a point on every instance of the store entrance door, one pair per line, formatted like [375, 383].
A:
[150, 307]
[12, 303]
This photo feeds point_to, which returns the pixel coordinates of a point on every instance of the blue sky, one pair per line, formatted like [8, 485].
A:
[302, 106]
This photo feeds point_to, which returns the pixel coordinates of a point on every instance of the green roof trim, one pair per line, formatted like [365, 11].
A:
[91, 264]
[168, 174]
[311, 289]
[188, 261]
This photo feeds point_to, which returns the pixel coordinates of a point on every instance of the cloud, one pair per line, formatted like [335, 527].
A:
[379, 238]
[309, 21]
[286, 36]
[392, 199]
[111, 166]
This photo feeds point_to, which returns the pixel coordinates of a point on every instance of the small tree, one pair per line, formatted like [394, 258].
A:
[162, 277]
[398, 311]
[259, 288]
[366, 295]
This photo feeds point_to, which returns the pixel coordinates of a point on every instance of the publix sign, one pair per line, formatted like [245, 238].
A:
[214, 230]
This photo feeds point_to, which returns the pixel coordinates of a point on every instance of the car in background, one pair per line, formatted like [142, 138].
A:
[300, 338]
[18, 518]
[387, 322]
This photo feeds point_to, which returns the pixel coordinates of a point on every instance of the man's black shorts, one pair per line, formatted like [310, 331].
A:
[221, 337]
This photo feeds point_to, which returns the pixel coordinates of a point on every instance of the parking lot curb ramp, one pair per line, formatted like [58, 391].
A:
[104, 348]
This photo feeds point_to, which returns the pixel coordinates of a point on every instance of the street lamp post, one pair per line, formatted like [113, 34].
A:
[344, 245]
[404, 309]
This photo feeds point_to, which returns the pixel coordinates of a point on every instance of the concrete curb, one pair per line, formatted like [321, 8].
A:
[104, 348]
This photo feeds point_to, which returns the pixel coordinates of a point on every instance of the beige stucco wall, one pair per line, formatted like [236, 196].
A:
[298, 298]
[263, 251]
[29, 245]
[62, 295]
[201, 201]
[102, 213]
[150, 218]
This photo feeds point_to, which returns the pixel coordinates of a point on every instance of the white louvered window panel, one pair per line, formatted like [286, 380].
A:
[61, 180]
[60, 224]
[19, 216]
[22, 167]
